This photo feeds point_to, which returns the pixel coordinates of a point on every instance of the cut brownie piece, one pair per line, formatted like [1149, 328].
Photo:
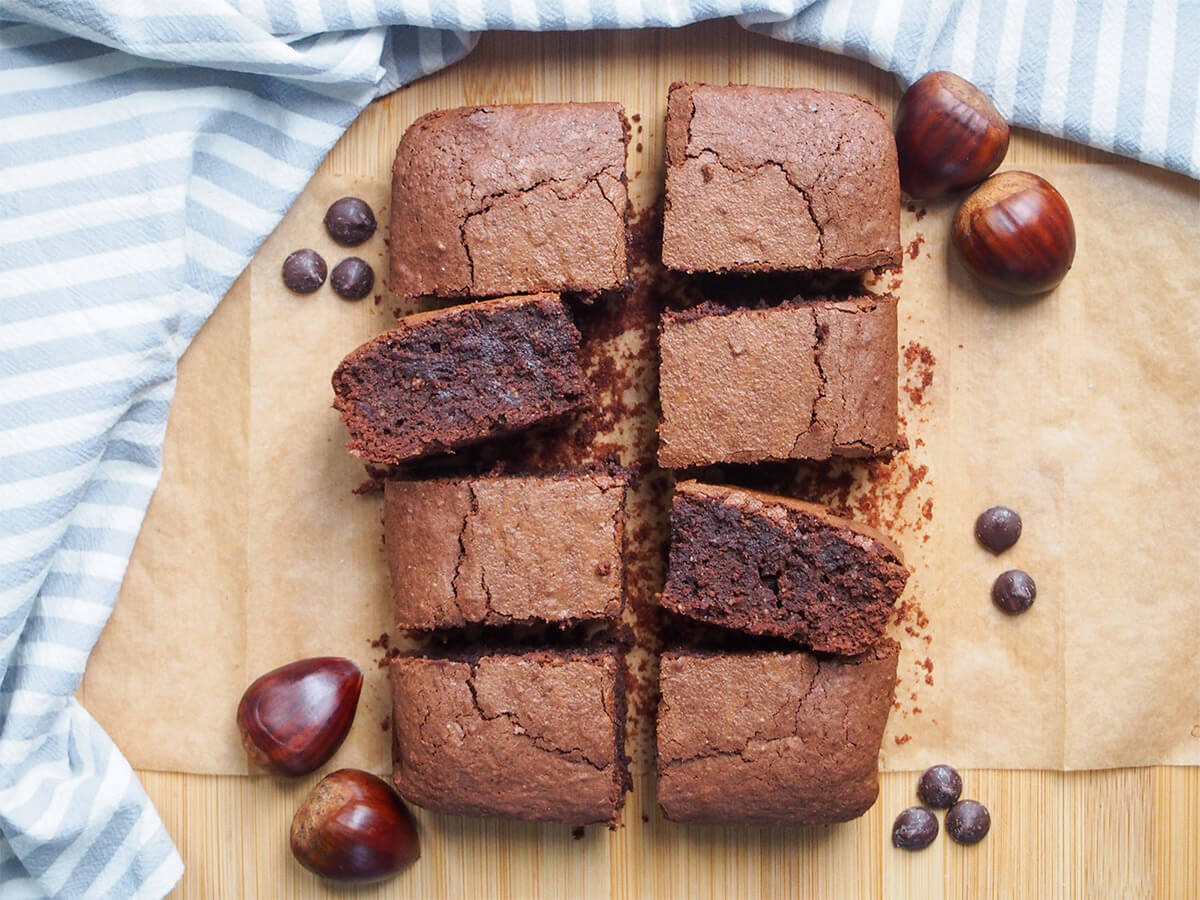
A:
[765, 738]
[505, 549]
[452, 377]
[510, 199]
[537, 735]
[763, 179]
[775, 566]
[806, 380]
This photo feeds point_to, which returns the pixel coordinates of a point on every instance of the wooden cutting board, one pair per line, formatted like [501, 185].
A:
[1122, 833]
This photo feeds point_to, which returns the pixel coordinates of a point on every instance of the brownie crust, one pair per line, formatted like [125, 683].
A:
[499, 200]
[769, 565]
[763, 179]
[500, 550]
[767, 738]
[806, 380]
[452, 377]
[536, 736]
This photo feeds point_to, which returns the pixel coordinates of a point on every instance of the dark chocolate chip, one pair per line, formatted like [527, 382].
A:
[939, 787]
[914, 829]
[352, 278]
[1014, 591]
[998, 528]
[350, 221]
[304, 271]
[968, 822]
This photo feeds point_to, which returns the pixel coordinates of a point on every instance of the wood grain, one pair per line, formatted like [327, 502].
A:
[1121, 833]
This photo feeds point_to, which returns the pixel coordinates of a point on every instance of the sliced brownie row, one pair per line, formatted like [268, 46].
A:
[770, 180]
[510, 207]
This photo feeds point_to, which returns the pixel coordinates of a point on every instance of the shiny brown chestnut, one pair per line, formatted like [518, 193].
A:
[354, 827]
[294, 718]
[1015, 232]
[949, 136]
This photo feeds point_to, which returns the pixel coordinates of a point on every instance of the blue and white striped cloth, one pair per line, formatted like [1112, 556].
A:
[145, 155]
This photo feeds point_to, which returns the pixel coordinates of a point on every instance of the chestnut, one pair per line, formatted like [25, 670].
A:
[354, 827]
[294, 718]
[949, 136]
[1015, 232]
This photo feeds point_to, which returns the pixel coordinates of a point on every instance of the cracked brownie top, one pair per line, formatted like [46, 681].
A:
[505, 549]
[767, 738]
[537, 736]
[806, 380]
[778, 179]
[510, 199]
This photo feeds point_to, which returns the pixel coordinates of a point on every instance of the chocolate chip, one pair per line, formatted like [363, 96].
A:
[304, 271]
[1014, 591]
[968, 822]
[350, 221]
[352, 278]
[915, 829]
[998, 528]
[939, 786]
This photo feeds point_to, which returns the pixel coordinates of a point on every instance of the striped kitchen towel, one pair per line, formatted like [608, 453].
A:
[145, 154]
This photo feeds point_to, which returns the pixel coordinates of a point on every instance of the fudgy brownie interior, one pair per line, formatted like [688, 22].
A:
[775, 566]
[452, 377]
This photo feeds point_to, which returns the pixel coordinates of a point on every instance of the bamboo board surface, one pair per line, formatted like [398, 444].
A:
[1122, 833]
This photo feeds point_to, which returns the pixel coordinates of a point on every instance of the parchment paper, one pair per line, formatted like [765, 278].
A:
[1077, 409]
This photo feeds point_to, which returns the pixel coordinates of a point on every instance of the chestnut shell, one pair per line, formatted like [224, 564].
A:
[949, 136]
[1016, 233]
[354, 827]
[294, 718]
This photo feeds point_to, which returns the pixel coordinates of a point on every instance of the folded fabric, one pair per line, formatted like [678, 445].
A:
[144, 156]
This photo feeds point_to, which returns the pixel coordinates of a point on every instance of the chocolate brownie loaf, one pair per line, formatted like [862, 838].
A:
[510, 199]
[770, 565]
[764, 738]
[505, 549]
[766, 179]
[806, 380]
[452, 377]
[537, 735]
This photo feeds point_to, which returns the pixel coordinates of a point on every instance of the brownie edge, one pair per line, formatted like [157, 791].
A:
[772, 738]
[778, 179]
[494, 200]
[537, 735]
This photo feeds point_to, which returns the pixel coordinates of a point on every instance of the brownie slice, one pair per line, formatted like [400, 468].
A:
[762, 179]
[770, 565]
[766, 738]
[536, 735]
[510, 199]
[805, 380]
[499, 550]
[452, 377]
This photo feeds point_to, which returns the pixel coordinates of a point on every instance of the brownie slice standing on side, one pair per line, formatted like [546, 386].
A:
[499, 200]
[768, 565]
[536, 735]
[778, 179]
[453, 377]
[805, 380]
[767, 738]
[504, 549]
